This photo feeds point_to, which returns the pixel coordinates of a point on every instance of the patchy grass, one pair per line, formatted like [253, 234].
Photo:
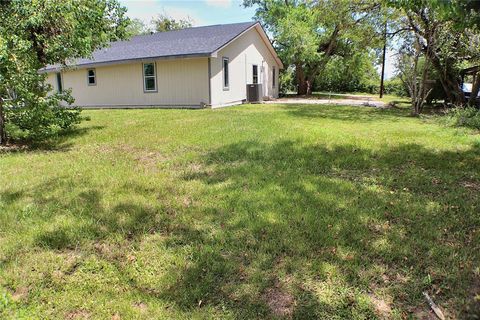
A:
[396, 100]
[263, 211]
[387, 98]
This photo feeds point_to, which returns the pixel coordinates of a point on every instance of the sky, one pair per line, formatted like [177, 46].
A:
[204, 12]
[201, 12]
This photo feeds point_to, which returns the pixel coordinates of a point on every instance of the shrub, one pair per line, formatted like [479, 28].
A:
[39, 118]
[395, 87]
[464, 117]
[287, 81]
[354, 73]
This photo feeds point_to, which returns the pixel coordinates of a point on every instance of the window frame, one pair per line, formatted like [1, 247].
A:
[59, 82]
[94, 77]
[255, 66]
[274, 77]
[227, 77]
[154, 77]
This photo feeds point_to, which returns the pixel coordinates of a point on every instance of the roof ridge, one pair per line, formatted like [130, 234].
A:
[194, 41]
[195, 27]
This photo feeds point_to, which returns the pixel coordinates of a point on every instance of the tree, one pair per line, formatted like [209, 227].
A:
[163, 23]
[34, 34]
[308, 33]
[353, 72]
[445, 30]
[137, 27]
[413, 71]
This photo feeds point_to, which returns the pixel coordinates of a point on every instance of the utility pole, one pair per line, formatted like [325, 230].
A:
[382, 79]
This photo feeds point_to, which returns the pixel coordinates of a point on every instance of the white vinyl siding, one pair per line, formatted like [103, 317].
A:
[179, 83]
[247, 50]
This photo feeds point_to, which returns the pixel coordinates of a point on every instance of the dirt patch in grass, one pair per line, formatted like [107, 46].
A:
[116, 316]
[473, 306]
[150, 159]
[145, 157]
[382, 307]
[472, 185]
[280, 302]
[78, 314]
[424, 313]
[111, 252]
[141, 306]
[20, 293]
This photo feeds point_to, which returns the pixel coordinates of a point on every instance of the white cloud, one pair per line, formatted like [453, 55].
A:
[219, 3]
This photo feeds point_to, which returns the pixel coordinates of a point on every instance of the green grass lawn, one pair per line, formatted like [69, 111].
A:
[249, 212]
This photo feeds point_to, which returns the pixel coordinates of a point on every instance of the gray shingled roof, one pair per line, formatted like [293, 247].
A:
[198, 41]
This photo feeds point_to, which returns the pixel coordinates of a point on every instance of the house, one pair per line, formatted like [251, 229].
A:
[190, 68]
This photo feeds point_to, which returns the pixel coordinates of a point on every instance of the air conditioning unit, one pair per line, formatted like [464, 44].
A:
[254, 93]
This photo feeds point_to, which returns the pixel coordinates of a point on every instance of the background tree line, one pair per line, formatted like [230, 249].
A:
[335, 45]
[161, 23]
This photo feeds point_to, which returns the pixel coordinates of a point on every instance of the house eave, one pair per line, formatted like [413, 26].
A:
[264, 37]
[122, 61]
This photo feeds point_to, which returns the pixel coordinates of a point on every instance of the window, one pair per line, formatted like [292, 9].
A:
[91, 77]
[149, 77]
[226, 80]
[255, 74]
[274, 77]
[59, 82]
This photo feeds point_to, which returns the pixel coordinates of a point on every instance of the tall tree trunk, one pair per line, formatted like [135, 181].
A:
[415, 84]
[309, 82]
[448, 79]
[315, 69]
[3, 134]
[302, 85]
[475, 88]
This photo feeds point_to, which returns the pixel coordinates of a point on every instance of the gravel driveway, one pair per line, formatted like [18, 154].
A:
[364, 101]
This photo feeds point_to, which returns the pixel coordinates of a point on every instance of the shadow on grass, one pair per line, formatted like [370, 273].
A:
[357, 210]
[60, 143]
[321, 226]
[345, 113]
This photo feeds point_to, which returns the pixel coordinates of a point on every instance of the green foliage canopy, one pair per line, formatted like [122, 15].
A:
[137, 27]
[164, 22]
[309, 33]
[448, 36]
[37, 33]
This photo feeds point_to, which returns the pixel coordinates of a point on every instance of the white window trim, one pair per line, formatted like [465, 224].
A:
[145, 77]
[94, 77]
[226, 88]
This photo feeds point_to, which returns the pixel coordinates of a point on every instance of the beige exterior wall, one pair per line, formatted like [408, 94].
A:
[247, 50]
[180, 82]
